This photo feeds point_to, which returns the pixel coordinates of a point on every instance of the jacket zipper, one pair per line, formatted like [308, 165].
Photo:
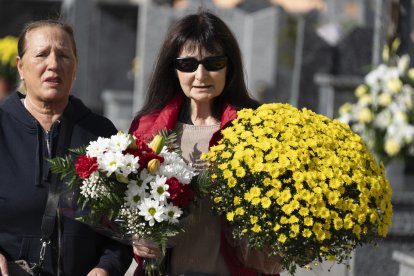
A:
[48, 138]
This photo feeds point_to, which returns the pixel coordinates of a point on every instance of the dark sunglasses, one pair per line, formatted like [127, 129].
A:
[191, 64]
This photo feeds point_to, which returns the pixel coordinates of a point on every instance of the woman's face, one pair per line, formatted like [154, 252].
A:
[201, 85]
[48, 65]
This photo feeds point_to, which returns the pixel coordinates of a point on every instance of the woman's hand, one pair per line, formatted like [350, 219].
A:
[260, 260]
[145, 248]
[4, 271]
[98, 272]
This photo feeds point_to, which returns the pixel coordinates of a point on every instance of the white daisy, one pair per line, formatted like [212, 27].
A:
[151, 210]
[111, 162]
[134, 194]
[129, 164]
[98, 147]
[159, 189]
[120, 141]
[146, 177]
[172, 213]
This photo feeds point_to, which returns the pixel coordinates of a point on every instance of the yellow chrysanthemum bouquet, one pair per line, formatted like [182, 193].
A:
[8, 53]
[295, 183]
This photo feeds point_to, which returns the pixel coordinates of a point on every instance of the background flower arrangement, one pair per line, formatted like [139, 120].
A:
[8, 53]
[297, 184]
[384, 113]
[144, 187]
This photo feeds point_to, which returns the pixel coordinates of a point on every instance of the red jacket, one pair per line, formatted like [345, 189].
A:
[147, 125]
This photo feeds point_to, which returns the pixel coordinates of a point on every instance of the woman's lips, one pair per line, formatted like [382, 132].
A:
[53, 80]
[202, 87]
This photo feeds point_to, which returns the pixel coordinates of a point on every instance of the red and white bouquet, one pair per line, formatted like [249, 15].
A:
[141, 187]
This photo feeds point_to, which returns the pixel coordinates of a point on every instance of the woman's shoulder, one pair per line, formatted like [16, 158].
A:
[141, 121]
[142, 126]
[165, 117]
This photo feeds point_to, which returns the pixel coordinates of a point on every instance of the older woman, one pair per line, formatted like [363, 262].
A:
[37, 123]
[196, 89]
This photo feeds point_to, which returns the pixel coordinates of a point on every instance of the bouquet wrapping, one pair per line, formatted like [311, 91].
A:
[296, 184]
[130, 187]
[384, 113]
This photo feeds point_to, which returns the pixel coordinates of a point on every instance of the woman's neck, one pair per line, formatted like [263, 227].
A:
[45, 113]
[202, 115]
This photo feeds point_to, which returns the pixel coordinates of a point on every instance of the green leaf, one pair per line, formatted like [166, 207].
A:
[202, 183]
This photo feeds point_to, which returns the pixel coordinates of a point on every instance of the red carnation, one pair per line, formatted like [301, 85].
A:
[180, 195]
[142, 145]
[141, 149]
[85, 166]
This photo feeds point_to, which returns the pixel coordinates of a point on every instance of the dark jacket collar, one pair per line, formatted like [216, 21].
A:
[14, 106]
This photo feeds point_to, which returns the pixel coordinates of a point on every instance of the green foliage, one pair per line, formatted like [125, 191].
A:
[65, 167]
[170, 140]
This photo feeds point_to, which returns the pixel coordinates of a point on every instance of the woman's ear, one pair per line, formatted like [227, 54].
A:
[19, 64]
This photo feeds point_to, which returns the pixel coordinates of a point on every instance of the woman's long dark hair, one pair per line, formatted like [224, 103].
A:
[202, 30]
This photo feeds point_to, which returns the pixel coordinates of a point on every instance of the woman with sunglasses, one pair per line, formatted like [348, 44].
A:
[196, 89]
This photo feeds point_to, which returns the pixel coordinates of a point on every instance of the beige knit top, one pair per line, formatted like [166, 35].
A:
[198, 248]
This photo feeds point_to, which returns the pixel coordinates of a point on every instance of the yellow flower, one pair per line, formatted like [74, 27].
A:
[365, 115]
[231, 182]
[392, 147]
[384, 99]
[256, 228]
[239, 211]
[255, 191]
[8, 53]
[348, 223]
[226, 155]
[240, 172]
[282, 238]
[236, 200]
[308, 221]
[411, 73]
[266, 202]
[256, 201]
[394, 85]
[361, 90]
[227, 174]
[338, 223]
[303, 211]
[287, 209]
[230, 216]
[357, 230]
[331, 258]
[295, 228]
[307, 233]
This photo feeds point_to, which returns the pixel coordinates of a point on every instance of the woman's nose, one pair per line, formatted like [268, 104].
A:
[52, 61]
[201, 72]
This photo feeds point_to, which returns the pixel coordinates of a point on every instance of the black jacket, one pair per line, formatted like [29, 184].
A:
[24, 181]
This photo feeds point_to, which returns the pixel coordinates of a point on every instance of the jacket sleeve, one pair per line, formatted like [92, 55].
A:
[116, 257]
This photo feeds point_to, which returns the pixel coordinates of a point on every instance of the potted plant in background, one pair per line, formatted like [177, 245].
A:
[383, 114]
[8, 70]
